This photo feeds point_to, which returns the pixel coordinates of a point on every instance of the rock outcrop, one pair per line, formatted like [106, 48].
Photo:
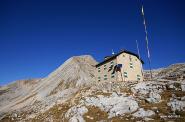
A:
[75, 114]
[114, 105]
[154, 97]
[143, 113]
[177, 105]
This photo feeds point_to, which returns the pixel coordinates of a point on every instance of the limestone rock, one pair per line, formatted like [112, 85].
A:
[75, 113]
[143, 113]
[144, 88]
[183, 86]
[154, 97]
[115, 105]
[177, 104]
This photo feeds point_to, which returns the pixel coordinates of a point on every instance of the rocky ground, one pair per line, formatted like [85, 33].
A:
[119, 101]
[70, 94]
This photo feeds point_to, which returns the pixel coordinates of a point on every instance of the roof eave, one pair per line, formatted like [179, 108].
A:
[114, 56]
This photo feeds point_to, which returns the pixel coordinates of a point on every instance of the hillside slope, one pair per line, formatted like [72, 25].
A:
[41, 94]
[172, 72]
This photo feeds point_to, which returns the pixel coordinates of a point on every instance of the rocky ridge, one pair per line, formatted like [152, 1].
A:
[173, 72]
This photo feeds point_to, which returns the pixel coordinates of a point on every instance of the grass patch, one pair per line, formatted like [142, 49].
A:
[56, 113]
[95, 114]
[6, 119]
[103, 93]
[126, 118]
[126, 90]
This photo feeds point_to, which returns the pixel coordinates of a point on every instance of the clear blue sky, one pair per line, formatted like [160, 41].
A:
[36, 36]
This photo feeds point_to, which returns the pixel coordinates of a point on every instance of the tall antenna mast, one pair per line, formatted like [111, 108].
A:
[139, 56]
[146, 38]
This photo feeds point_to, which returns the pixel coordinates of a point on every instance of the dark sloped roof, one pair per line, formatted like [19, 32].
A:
[115, 55]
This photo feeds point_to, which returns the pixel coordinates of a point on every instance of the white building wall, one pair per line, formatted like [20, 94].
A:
[104, 72]
[131, 68]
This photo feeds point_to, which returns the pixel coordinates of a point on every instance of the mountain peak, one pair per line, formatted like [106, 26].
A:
[74, 73]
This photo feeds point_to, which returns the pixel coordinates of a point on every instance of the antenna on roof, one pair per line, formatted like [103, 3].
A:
[139, 56]
[146, 37]
[113, 52]
[138, 49]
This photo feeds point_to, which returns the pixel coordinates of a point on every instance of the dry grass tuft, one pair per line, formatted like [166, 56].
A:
[56, 113]
[95, 114]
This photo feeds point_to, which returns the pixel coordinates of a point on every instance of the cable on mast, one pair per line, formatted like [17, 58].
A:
[146, 38]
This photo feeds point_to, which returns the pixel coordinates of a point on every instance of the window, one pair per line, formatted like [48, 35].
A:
[112, 76]
[98, 69]
[131, 65]
[123, 55]
[125, 74]
[135, 59]
[105, 67]
[138, 77]
[111, 63]
[99, 78]
[105, 77]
